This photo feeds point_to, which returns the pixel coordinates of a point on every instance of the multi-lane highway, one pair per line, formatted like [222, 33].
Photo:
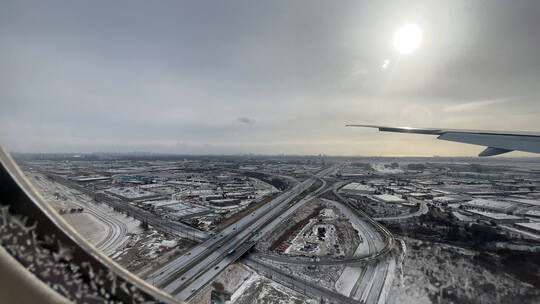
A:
[191, 271]
[186, 274]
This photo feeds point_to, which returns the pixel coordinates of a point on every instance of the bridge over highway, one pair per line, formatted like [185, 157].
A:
[191, 271]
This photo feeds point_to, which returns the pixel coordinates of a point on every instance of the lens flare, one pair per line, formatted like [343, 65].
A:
[407, 39]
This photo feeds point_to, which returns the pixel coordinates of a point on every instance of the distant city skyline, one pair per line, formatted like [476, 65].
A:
[263, 77]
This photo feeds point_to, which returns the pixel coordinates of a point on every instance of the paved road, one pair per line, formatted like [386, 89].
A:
[186, 274]
[371, 278]
[371, 281]
[369, 234]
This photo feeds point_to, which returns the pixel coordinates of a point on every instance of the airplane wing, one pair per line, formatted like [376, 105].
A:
[497, 142]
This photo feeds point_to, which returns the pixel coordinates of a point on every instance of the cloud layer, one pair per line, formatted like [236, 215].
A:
[262, 77]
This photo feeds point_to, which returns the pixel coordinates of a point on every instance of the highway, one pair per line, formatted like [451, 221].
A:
[375, 243]
[191, 271]
[214, 269]
[370, 267]
[371, 280]
[186, 274]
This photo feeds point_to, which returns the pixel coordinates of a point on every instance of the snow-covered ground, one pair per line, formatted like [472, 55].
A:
[347, 280]
[86, 224]
[98, 223]
[230, 280]
[320, 236]
[242, 289]
[441, 273]
[260, 290]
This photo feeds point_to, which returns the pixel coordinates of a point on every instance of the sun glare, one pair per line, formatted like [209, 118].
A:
[407, 39]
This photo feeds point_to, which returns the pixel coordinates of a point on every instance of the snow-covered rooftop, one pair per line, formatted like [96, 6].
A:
[388, 198]
[534, 226]
[131, 192]
[534, 202]
[496, 216]
[91, 178]
[357, 187]
[489, 204]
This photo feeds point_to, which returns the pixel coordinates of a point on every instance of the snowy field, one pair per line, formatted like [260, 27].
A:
[260, 290]
[347, 280]
[99, 224]
[430, 270]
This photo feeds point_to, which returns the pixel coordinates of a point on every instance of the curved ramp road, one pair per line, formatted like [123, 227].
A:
[191, 271]
[364, 283]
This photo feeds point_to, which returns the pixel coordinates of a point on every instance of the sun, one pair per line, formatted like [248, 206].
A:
[407, 39]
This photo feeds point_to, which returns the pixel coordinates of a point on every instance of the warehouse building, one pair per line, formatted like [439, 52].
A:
[357, 189]
[489, 205]
[388, 199]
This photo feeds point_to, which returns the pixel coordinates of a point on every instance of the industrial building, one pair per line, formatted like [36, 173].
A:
[358, 189]
[496, 217]
[489, 205]
[530, 227]
[388, 199]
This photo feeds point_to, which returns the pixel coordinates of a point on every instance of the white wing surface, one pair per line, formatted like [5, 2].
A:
[497, 142]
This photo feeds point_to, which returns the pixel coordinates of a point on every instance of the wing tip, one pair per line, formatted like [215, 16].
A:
[492, 151]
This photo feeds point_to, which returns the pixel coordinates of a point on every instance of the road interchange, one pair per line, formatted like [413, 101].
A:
[191, 271]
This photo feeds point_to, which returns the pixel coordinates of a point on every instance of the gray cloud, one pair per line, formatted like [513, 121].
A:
[474, 105]
[246, 120]
[189, 75]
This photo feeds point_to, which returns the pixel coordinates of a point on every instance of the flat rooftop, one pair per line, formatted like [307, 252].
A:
[534, 226]
[91, 178]
[357, 187]
[528, 201]
[496, 216]
[388, 198]
[489, 204]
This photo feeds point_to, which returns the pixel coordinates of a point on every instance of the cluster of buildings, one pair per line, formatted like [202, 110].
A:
[507, 199]
[199, 191]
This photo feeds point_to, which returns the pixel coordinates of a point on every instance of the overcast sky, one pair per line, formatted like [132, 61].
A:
[262, 77]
